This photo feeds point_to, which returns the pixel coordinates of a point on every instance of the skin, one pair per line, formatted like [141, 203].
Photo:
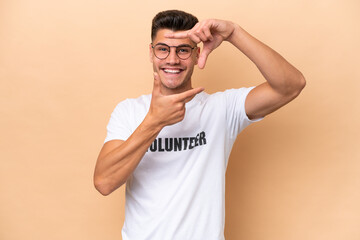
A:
[118, 159]
[283, 81]
[174, 83]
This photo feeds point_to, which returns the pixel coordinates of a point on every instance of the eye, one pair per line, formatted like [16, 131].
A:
[162, 49]
[184, 50]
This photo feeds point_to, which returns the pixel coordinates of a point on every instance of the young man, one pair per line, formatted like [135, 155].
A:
[171, 148]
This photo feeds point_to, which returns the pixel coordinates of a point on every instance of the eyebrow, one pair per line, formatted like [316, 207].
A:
[181, 45]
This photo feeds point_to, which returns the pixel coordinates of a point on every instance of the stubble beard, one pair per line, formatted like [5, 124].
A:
[182, 85]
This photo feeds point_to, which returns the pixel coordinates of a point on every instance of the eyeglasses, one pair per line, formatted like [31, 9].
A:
[162, 51]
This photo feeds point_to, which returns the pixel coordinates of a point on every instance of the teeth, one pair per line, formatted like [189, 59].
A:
[171, 71]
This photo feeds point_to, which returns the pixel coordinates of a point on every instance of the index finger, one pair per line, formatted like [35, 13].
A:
[189, 94]
[182, 34]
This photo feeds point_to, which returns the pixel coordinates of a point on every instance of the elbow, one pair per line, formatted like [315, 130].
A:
[297, 86]
[103, 186]
[302, 82]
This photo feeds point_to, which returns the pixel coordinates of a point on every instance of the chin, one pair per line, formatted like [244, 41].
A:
[172, 86]
[173, 83]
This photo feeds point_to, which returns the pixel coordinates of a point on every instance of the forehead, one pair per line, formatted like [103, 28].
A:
[160, 37]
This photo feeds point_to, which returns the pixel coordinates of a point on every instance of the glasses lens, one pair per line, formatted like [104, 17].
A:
[161, 51]
[183, 52]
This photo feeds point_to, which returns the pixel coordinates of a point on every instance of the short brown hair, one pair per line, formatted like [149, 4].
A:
[174, 20]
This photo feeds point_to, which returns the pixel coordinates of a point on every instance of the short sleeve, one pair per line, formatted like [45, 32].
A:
[118, 126]
[235, 110]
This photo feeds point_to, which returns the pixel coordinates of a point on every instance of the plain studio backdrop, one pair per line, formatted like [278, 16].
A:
[64, 65]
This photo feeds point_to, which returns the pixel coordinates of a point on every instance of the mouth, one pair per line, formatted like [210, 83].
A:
[172, 70]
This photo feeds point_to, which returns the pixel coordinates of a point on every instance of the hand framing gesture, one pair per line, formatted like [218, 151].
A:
[211, 32]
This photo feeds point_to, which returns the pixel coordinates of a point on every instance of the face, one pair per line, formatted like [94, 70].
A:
[175, 73]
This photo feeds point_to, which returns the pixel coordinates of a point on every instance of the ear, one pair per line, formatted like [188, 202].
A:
[151, 53]
[197, 55]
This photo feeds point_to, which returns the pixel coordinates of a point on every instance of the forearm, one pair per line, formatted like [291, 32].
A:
[280, 74]
[113, 168]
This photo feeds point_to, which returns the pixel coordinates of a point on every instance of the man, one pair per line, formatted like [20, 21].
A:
[171, 148]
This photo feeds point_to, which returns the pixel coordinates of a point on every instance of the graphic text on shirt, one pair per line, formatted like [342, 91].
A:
[177, 144]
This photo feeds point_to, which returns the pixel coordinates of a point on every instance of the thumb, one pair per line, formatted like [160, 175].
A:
[203, 57]
[157, 83]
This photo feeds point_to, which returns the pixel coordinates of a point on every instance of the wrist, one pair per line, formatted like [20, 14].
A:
[151, 122]
[235, 34]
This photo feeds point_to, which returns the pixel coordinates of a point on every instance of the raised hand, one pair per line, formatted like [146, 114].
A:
[211, 32]
[169, 109]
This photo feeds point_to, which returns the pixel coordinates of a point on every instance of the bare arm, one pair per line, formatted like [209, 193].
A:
[118, 159]
[283, 81]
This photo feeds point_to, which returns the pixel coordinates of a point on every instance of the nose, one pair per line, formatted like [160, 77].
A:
[173, 58]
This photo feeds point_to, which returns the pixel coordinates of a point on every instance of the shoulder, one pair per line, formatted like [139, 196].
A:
[132, 106]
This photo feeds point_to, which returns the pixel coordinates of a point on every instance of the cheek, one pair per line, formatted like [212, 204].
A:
[192, 63]
[151, 57]
[156, 64]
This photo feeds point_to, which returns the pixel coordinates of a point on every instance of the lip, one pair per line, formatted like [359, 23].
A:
[168, 70]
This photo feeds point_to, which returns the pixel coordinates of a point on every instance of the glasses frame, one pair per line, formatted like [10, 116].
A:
[165, 45]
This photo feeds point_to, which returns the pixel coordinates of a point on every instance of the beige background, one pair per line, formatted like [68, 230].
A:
[64, 65]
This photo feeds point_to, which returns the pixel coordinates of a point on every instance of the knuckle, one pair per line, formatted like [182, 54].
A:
[177, 98]
[182, 116]
[180, 106]
[173, 101]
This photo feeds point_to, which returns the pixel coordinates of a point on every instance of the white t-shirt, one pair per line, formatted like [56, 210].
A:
[177, 192]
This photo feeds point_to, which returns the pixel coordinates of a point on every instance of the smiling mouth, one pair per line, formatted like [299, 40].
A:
[172, 71]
